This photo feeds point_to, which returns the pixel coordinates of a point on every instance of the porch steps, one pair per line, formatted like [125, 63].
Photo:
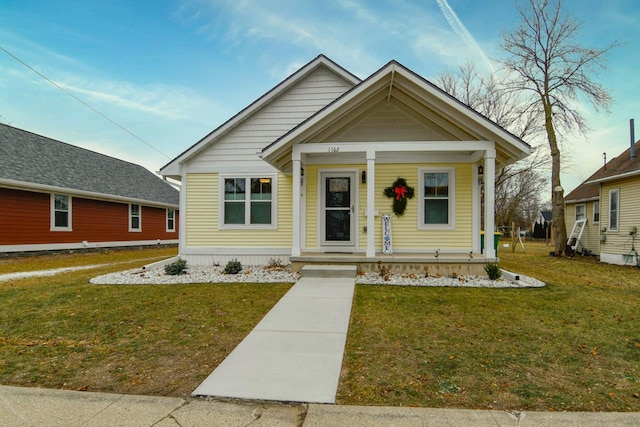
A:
[329, 271]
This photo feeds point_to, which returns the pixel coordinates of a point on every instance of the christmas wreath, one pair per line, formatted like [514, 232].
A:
[400, 192]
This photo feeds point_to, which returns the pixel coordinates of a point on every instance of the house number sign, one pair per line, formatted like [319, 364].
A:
[334, 149]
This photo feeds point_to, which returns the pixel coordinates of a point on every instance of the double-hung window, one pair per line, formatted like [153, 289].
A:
[596, 212]
[171, 220]
[135, 217]
[60, 212]
[614, 209]
[437, 198]
[248, 201]
[581, 212]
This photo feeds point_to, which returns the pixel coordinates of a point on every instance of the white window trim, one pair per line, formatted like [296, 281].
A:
[596, 204]
[452, 199]
[170, 230]
[617, 191]
[139, 229]
[584, 212]
[248, 226]
[52, 220]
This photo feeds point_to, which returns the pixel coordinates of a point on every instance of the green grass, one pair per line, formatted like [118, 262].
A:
[573, 345]
[62, 332]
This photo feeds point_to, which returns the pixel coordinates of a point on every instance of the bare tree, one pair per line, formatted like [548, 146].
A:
[517, 185]
[555, 71]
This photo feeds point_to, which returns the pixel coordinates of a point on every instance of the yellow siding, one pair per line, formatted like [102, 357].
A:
[202, 218]
[406, 235]
[619, 242]
[405, 232]
[591, 235]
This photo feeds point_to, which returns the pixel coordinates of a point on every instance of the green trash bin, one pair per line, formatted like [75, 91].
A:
[496, 238]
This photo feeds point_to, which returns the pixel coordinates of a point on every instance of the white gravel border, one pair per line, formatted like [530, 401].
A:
[155, 275]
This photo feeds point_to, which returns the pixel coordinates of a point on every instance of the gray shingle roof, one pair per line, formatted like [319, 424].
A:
[35, 159]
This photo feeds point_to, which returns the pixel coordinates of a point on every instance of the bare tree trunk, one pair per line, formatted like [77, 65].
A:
[557, 193]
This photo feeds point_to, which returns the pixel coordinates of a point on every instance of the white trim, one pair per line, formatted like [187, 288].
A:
[297, 222]
[617, 227]
[451, 224]
[475, 208]
[52, 218]
[41, 188]
[170, 230]
[247, 225]
[216, 250]
[131, 229]
[489, 202]
[352, 244]
[83, 245]
[371, 203]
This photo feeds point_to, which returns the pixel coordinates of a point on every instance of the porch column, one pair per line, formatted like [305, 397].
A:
[295, 243]
[371, 202]
[489, 202]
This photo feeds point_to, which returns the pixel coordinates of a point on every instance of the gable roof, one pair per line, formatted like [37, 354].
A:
[171, 168]
[623, 166]
[394, 81]
[35, 161]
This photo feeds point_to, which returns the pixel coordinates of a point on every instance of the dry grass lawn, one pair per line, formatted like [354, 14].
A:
[573, 345]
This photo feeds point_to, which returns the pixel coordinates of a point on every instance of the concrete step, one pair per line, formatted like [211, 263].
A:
[329, 271]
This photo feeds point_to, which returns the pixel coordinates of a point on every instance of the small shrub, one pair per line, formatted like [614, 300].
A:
[233, 267]
[383, 271]
[176, 268]
[493, 271]
[275, 263]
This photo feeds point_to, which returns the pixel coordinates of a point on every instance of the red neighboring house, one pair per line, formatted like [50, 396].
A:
[56, 196]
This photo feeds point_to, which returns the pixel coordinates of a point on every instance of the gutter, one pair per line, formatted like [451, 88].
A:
[44, 188]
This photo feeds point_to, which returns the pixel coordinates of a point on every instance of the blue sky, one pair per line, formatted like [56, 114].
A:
[171, 71]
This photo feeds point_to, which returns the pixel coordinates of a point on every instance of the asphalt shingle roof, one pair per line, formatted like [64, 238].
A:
[618, 166]
[36, 159]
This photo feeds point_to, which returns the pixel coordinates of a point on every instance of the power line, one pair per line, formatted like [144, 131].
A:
[83, 102]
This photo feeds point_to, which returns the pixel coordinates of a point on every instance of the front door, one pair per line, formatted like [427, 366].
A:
[338, 208]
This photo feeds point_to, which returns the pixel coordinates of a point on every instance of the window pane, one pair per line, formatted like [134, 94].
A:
[61, 219]
[234, 188]
[234, 213]
[260, 188]
[61, 202]
[613, 211]
[260, 212]
[436, 184]
[135, 222]
[436, 211]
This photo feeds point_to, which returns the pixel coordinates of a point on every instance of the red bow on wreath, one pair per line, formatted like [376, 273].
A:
[400, 192]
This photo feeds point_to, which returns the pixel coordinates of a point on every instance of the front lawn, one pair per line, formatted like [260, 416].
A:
[62, 332]
[573, 345]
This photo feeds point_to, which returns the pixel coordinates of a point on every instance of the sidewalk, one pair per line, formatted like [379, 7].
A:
[295, 353]
[41, 407]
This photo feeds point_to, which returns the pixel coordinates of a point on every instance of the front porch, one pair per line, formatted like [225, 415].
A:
[423, 264]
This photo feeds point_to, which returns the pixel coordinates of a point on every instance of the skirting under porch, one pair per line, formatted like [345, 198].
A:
[419, 264]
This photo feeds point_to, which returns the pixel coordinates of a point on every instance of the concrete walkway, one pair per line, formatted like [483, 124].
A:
[295, 353]
[41, 407]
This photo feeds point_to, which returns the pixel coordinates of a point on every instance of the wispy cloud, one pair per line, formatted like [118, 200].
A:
[458, 27]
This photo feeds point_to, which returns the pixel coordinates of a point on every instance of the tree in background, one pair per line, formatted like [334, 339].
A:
[554, 72]
[518, 186]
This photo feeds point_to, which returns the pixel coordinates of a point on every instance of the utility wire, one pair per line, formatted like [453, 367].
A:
[83, 102]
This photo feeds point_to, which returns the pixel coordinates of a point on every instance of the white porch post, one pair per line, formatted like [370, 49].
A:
[371, 201]
[489, 202]
[295, 243]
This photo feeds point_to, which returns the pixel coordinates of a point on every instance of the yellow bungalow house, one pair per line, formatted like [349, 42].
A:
[614, 191]
[328, 168]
